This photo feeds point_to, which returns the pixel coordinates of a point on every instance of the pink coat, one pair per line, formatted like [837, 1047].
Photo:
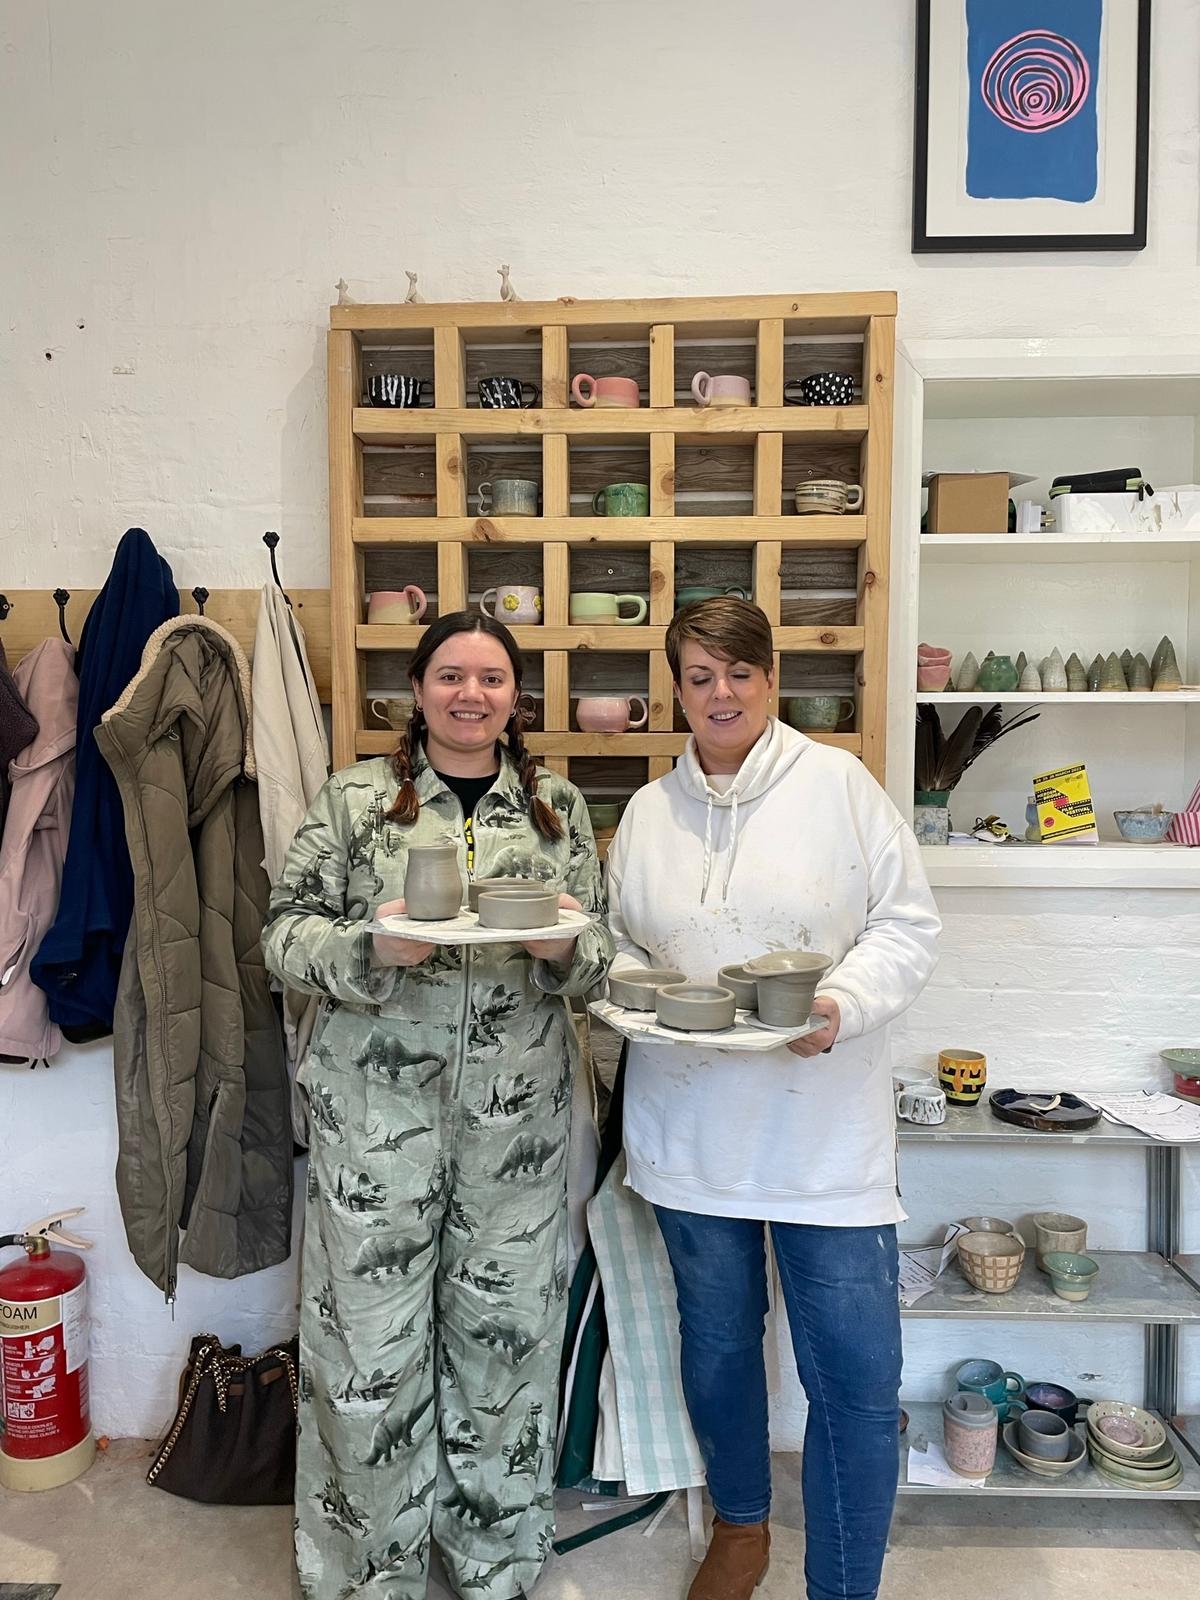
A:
[35, 844]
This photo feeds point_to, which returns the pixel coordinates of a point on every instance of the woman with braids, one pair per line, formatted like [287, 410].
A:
[439, 1087]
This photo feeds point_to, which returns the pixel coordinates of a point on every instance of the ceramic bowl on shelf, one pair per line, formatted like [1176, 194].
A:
[1141, 1435]
[695, 1007]
[991, 1261]
[1146, 826]
[635, 991]
[988, 1225]
[1071, 1274]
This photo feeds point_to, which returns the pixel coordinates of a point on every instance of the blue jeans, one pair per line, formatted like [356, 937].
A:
[840, 1289]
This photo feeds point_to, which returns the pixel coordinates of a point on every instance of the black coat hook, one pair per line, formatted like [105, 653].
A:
[61, 597]
[5, 607]
[200, 596]
[271, 540]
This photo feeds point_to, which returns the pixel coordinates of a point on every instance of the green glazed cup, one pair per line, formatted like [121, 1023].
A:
[604, 814]
[822, 711]
[689, 596]
[622, 500]
[595, 607]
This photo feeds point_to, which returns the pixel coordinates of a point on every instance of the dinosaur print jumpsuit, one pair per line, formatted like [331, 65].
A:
[434, 1270]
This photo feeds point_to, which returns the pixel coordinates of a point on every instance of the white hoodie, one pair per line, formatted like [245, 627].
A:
[803, 851]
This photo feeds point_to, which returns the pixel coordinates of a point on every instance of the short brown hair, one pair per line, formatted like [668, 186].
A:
[734, 630]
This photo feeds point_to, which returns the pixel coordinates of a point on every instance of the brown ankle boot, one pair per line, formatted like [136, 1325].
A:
[736, 1563]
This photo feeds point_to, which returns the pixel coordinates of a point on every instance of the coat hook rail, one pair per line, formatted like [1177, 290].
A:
[5, 607]
[271, 540]
[61, 600]
[200, 596]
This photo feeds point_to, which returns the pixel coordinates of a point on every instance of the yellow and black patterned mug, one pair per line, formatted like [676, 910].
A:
[962, 1074]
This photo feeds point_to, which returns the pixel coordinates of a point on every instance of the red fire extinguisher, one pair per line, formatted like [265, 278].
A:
[45, 1428]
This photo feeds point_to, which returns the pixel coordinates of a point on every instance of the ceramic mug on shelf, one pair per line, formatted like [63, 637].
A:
[820, 389]
[604, 814]
[508, 497]
[610, 713]
[515, 604]
[605, 609]
[962, 1074]
[606, 394]
[922, 1103]
[829, 497]
[723, 389]
[1003, 1389]
[622, 500]
[506, 394]
[395, 710]
[397, 605]
[1057, 1230]
[396, 389]
[689, 595]
[822, 711]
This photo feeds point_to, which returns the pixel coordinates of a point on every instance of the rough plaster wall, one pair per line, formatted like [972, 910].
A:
[188, 184]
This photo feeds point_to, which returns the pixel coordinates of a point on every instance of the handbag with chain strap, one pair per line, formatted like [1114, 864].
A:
[233, 1440]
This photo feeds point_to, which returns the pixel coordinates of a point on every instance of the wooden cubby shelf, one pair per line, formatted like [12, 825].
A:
[405, 502]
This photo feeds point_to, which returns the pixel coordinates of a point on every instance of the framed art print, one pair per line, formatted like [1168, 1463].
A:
[1032, 125]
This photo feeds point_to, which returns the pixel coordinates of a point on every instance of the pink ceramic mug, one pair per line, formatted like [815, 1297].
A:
[610, 713]
[397, 605]
[726, 389]
[607, 393]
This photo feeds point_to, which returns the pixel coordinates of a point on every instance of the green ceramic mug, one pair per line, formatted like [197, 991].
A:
[689, 596]
[822, 711]
[605, 609]
[622, 500]
[604, 814]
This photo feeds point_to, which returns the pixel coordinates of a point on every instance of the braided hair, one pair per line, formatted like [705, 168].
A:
[407, 806]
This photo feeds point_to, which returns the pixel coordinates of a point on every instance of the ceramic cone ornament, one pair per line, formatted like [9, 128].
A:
[1095, 672]
[967, 675]
[1022, 663]
[1165, 649]
[1139, 676]
[1054, 674]
[1031, 682]
[1126, 662]
[1165, 667]
[1112, 679]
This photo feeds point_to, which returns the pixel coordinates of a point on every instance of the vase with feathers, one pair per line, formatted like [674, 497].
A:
[942, 759]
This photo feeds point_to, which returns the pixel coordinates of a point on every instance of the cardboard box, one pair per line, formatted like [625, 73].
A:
[968, 502]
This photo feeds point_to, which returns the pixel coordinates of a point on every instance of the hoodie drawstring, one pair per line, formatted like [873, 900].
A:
[707, 847]
[732, 849]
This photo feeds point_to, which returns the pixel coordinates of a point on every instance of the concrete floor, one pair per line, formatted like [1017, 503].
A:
[107, 1536]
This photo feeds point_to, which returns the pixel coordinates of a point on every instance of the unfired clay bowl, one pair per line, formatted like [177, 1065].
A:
[498, 886]
[786, 981]
[636, 990]
[528, 908]
[698, 1007]
[745, 990]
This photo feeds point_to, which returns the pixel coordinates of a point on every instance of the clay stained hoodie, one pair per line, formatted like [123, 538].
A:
[803, 851]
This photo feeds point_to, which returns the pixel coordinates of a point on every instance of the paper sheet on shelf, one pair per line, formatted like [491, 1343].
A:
[930, 1466]
[1161, 1116]
[920, 1269]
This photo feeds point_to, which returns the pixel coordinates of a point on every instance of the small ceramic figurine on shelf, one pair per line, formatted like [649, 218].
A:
[1033, 828]
[1031, 682]
[1076, 675]
[1095, 673]
[1165, 668]
[507, 292]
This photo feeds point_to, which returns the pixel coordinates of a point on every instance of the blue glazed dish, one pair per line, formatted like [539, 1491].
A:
[1144, 827]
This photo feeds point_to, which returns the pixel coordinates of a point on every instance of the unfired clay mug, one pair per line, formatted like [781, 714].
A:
[605, 393]
[828, 497]
[397, 605]
[725, 389]
[516, 604]
[395, 710]
[610, 713]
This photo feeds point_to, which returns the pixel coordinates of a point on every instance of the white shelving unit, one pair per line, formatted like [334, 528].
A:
[1158, 1289]
[1046, 407]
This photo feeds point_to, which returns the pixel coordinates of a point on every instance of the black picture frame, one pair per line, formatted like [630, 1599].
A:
[923, 244]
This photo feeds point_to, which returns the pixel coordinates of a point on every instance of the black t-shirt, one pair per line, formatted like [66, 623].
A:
[469, 792]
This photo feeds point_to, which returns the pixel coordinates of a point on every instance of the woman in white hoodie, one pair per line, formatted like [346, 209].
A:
[761, 839]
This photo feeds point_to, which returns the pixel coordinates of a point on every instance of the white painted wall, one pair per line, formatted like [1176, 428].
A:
[189, 184]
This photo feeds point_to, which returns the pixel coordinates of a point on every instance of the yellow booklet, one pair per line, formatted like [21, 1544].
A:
[1064, 806]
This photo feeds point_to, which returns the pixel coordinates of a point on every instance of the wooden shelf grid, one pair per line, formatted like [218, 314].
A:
[404, 502]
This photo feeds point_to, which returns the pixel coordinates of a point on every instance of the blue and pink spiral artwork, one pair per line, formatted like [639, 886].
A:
[1033, 69]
